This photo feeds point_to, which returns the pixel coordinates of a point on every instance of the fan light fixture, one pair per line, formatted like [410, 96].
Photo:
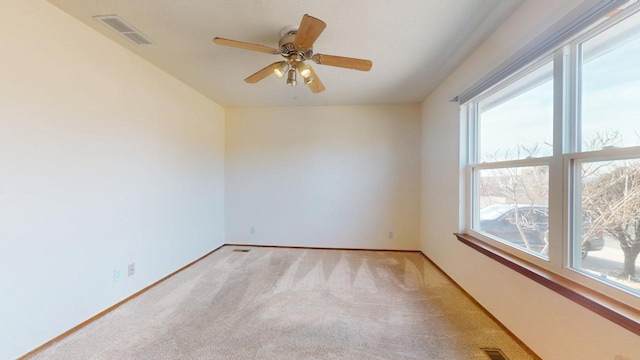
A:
[296, 46]
[305, 70]
[281, 69]
[291, 78]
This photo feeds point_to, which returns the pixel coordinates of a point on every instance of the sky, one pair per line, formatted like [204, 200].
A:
[611, 93]
[610, 99]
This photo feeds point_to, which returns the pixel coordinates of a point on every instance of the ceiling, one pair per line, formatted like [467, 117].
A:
[414, 44]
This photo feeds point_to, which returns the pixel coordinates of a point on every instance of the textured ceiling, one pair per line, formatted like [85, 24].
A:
[414, 44]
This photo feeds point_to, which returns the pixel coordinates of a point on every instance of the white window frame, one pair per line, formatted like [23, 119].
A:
[474, 164]
[566, 145]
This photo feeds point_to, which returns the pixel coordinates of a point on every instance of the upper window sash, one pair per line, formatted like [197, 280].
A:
[514, 120]
[608, 84]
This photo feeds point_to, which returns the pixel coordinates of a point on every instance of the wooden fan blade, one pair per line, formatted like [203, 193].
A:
[245, 45]
[316, 85]
[263, 73]
[309, 30]
[343, 62]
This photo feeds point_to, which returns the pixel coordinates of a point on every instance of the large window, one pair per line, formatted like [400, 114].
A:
[511, 171]
[554, 159]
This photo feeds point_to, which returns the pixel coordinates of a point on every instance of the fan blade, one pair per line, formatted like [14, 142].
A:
[245, 45]
[309, 30]
[343, 62]
[316, 85]
[263, 73]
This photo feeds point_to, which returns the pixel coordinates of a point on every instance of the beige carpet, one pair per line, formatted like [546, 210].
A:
[274, 303]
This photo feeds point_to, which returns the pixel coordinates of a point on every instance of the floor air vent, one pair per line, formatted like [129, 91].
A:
[241, 250]
[495, 354]
[117, 24]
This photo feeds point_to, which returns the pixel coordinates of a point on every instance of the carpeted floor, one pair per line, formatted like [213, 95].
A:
[277, 303]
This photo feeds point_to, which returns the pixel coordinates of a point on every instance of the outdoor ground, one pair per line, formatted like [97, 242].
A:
[608, 263]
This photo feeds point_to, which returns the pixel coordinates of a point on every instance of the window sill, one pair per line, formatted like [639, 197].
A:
[609, 308]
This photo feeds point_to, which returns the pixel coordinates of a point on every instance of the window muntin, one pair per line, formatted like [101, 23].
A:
[505, 131]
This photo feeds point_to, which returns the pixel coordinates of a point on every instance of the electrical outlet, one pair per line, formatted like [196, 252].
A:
[252, 230]
[390, 234]
[132, 269]
[117, 275]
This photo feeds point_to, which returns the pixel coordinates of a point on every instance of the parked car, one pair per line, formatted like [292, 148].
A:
[593, 242]
[500, 220]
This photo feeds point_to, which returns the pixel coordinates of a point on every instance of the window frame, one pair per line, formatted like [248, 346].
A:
[573, 152]
[473, 158]
[566, 151]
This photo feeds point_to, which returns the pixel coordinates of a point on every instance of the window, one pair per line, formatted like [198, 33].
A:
[554, 159]
[605, 165]
[511, 174]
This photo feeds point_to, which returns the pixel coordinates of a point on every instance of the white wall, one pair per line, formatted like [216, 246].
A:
[340, 176]
[554, 327]
[104, 160]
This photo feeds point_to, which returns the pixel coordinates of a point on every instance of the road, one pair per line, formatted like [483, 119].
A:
[609, 261]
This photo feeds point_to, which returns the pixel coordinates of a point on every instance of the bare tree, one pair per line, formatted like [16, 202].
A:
[612, 201]
[611, 198]
[520, 186]
[610, 193]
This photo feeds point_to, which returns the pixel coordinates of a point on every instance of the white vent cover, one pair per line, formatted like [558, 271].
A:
[117, 24]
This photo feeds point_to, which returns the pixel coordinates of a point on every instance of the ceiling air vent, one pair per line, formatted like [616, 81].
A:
[117, 24]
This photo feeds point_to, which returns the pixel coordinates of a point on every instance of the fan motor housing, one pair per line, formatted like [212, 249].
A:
[288, 48]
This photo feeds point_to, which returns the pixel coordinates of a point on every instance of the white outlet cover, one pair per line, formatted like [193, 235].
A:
[131, 269]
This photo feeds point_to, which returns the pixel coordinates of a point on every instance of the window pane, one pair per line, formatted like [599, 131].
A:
[607, 241]
[611, 86]
[517, 121]
[512, 204]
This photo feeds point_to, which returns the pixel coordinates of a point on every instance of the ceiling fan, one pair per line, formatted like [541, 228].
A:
[296, 46]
